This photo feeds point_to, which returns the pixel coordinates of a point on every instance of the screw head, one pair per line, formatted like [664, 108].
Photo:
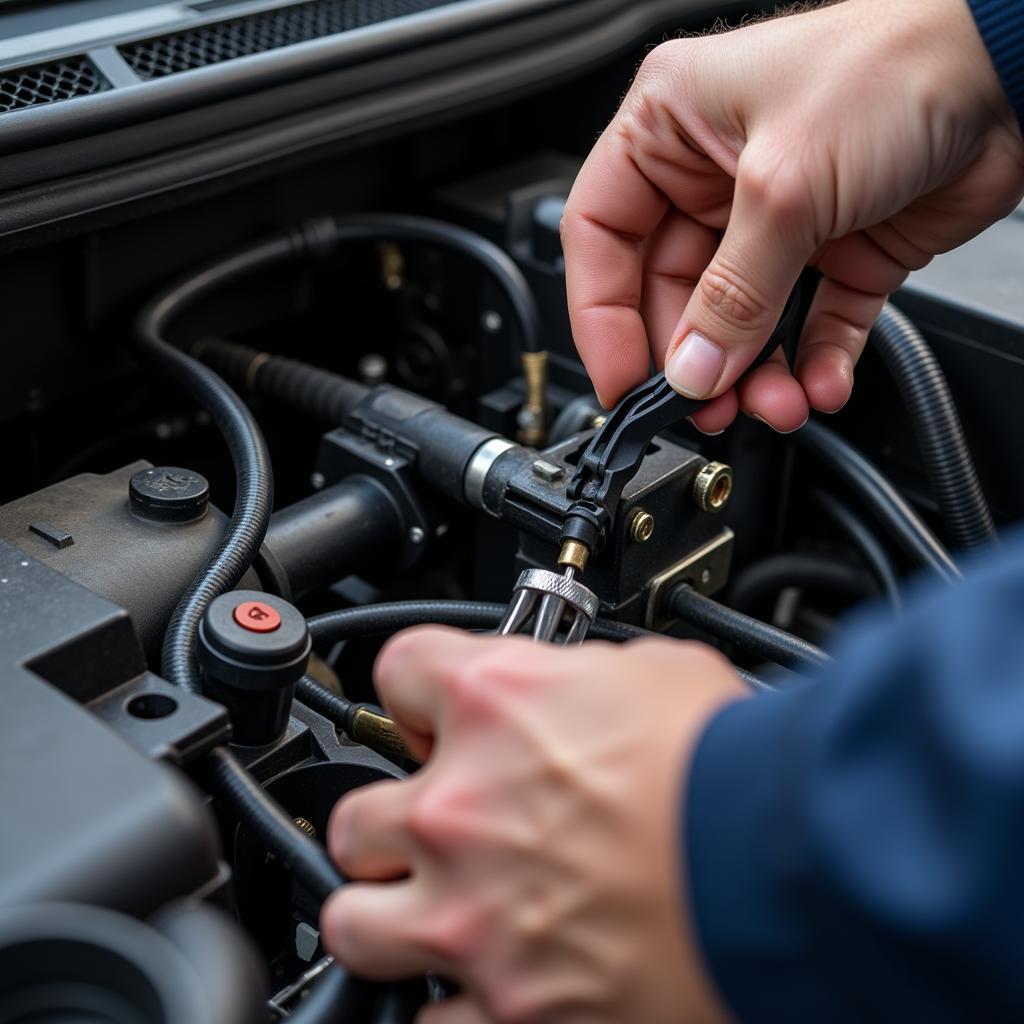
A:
[492, 321]
[317, 481]
[416, 534]
[641, 527]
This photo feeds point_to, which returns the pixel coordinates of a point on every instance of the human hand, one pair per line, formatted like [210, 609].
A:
[863, 138]
[535, 858]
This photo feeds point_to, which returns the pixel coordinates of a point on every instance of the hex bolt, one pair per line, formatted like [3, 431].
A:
[712, 487]
[641, 526]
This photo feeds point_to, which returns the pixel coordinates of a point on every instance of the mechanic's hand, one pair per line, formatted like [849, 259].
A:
[863, 138]
[535, 858]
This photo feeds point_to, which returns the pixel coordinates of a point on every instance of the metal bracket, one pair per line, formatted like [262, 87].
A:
[706, 570]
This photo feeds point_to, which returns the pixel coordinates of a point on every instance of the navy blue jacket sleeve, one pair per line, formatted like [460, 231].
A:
[1001, 24]
[855, 845]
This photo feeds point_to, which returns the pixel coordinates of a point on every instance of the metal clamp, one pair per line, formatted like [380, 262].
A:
[551, 596]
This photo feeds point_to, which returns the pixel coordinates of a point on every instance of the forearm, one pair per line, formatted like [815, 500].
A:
[853, 845]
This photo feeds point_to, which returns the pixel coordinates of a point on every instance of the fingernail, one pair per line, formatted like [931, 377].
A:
[701, 430]
[696, 366]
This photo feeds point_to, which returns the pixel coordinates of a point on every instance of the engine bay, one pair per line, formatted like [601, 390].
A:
[252, 429]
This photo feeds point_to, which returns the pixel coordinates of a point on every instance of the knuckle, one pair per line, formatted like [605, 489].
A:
[438, 817]
[731, 298]
[454, 935]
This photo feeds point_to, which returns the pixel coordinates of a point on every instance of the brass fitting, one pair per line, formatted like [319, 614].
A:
[712, 487]
[641, 526]
[534, 412]
[574, 554]
[306, 826]
[378, 733]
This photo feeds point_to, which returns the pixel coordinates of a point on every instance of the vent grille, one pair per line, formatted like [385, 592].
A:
[49, 83]
[258, 33]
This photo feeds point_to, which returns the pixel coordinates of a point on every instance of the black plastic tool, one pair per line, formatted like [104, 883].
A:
[618, 448]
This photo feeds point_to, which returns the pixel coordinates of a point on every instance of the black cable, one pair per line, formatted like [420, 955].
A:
[387, 619]
[253, 474]
[881, 497]
[406, 228]
[261, 815]
[751, 634]
[808, 570]
[868, 545]
[940, 436]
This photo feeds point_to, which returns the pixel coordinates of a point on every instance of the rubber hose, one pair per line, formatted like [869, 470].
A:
[319, 393]
[263, 816]
[751, 634]
[387, 619]
[253, 474]
[765, 578]
[940, 436]
[864, 540]
[881, 497]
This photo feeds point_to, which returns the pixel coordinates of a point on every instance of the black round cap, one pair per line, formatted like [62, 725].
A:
[168, 494]
[253, 641]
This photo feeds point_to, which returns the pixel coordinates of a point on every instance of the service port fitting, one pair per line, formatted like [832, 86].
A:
[532, 419]
[712, 487]
[574, 555]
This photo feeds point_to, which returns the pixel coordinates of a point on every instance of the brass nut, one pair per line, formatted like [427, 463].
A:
[712, 487]
[641, 526]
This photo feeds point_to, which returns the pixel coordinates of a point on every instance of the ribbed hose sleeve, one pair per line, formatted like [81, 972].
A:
[751, 634]
[940, 436]
[253, 475]
[315, 392]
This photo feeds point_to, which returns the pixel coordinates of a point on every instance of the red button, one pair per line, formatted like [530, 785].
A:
[257, 617]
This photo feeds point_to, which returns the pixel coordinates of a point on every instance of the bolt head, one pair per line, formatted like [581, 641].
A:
[492, 321]
[416, 534]
[317, 481]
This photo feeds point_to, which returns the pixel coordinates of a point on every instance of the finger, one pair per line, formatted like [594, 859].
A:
[367, 835]
[772, 395]
[610, 213]
[414, 672]
[374, 929]
[833, 339]
[740, 297]
[678, 252]
[459, 1010]
[717, 414]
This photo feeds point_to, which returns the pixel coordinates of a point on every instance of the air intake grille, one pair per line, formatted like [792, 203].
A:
[257, 33]
[49, 83]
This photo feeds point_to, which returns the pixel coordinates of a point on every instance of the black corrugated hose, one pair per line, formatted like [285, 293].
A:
[940, 436]
[253, 474]
[319, 393]
[805, 569]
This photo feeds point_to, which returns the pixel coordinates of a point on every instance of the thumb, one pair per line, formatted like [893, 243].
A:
[741, 295]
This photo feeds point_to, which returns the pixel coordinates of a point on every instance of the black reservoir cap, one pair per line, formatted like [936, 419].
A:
[253, 648]
[168, 494]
